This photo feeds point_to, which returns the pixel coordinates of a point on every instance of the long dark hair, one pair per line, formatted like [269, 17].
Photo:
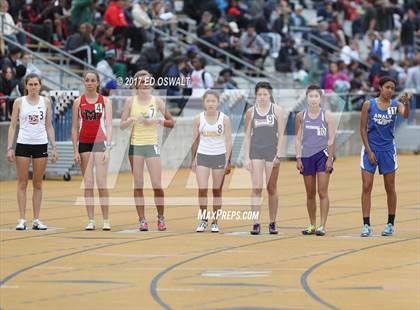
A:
[314, 87]
[31, 76]
[265, 85]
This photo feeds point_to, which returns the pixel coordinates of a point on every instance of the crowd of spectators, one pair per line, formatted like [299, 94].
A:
[344, 46]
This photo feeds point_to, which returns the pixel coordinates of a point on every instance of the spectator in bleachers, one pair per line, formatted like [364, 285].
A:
[225, 80]
[369, 18]
[332, 78]
[205, 22]
[79, 42]
[6, 87]
[224, 39]
[115, 17]
[410, 26]
[209, 37]
[36, 15]
[350, 52]
[412, 83]
[253, 47]
[105, 68]
[325, 11]
[82, 12]
[358, 88]
[318, 66]
[325, 35]
[25, 60]
[200, 78]
[388, 69]
[296, 19]
[11, 59]
[8, 29]
[98, 47]
[140, 17]
[151, 56]
[288, 56]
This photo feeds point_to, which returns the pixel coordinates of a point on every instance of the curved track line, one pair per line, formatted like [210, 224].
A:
[160, 275]
[305, 275]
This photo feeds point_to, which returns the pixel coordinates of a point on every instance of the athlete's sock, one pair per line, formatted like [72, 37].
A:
[366, 221]
[391, 218]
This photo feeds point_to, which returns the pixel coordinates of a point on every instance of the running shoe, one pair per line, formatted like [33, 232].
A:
[389, 230]
[310, 230]
[37, 225]
[272, 228]
[366, 231]
[91, 225]
[256, 229]
[143, 225]
[320, 231]
[106, 225]
[161, 224]
[21, 225]
[201, 226]
[214, 228]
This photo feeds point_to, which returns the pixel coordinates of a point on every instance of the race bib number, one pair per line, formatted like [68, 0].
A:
[270, 119]
[98, 108]
[392, 110]
[321, 132]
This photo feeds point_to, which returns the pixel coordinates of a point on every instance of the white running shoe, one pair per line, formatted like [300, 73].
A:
[201, 226]
[21, 225]
[90, 225]
[37, 225]
[106, 225]
[214, 228]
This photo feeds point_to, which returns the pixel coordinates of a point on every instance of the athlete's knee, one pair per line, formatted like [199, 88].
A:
[271, 190]
[217, 192]
[390, 189]
[257, 191]
[367, 187]
[37, 185]
[23, 184]
[158, 192]
[89, 184]
[322, 193]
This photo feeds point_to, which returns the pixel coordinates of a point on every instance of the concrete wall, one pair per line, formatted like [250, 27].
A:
[176, 144]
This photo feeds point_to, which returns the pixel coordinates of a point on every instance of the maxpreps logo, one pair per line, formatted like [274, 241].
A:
[382, 119]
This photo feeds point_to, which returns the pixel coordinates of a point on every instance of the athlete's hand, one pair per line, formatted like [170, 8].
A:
[11, 155]
[329, 164]
[54, 155]
[248, 164]
[77, 158]
[194, 165]
[276, 161]
[372, 158]
[299, 165]
[140, 120]
[405, 99]
[150, 121]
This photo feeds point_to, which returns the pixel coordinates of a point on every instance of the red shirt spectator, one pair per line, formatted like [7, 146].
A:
[114, 15]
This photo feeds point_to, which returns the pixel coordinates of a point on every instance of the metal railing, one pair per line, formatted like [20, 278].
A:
[61, 52]
[207, 57]
[229, 57]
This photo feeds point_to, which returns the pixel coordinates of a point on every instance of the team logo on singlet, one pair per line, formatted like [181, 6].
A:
[213, 133]
[382, 119]
[267, 121]
[33, 119]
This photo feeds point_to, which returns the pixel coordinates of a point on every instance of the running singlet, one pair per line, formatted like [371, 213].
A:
[212, 136]
[92, 117]
[314, 134]
[32, 128]
[264, 129]
[381, 126]
[142, 134]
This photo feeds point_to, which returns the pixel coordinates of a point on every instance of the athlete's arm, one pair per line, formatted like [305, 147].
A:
[278, 112]
[363, 126]
[247, 142]
[298, 135]
[404, 107]
[126, 120]
[12, 130]
[168, 122]
[50, 131]
[331, 134]
[228, 137]
[195, 141]
[108, 121]
[75, 128]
